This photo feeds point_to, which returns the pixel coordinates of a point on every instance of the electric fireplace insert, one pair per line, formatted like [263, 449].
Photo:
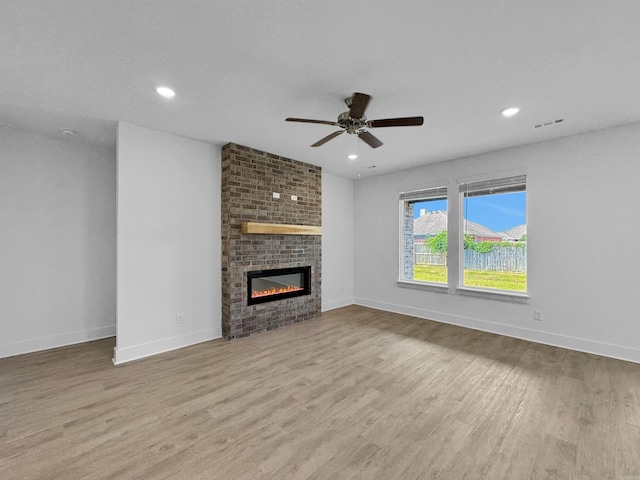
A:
[269, 285]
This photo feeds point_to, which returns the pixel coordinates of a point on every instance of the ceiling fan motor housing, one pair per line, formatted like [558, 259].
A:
[351, 125]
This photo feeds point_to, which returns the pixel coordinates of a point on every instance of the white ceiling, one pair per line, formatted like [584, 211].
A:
[240, 67]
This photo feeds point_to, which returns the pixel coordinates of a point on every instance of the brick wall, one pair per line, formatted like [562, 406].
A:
[249, 179]
[408, 256]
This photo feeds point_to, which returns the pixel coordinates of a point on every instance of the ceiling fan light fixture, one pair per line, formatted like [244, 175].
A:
[166, 92]
[509, 112]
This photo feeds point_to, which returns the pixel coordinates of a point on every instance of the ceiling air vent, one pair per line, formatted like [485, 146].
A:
[548, 124]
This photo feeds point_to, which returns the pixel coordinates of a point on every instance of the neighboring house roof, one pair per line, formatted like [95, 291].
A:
[432, 223]
[516, 232]
[478, 230]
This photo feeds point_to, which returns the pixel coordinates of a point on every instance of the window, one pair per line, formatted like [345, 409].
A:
[424, 235]
[494, 234]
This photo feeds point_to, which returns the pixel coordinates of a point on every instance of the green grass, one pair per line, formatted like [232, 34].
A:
[474, 278]
[430, 273]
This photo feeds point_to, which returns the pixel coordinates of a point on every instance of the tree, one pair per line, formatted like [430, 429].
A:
[469, 241]
[437, 243]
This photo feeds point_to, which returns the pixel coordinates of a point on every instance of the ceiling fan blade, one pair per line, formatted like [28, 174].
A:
[396, 122]
[359, 103]
[369, 139]
[324, 140]
[305, 120]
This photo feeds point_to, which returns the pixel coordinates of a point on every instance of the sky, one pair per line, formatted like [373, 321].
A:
[496, 212]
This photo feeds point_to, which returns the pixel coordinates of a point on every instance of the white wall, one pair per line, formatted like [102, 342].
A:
[168, 246]
[57, 242]
[337, 242]
[581, 231]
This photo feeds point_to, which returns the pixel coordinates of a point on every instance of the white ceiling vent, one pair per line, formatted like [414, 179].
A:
[548, 124]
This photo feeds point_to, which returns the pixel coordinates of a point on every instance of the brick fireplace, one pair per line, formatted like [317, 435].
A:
[266, 188]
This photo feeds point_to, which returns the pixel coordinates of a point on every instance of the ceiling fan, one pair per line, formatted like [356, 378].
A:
[355, 123]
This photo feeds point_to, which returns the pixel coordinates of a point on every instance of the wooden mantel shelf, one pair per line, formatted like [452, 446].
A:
[280, 229]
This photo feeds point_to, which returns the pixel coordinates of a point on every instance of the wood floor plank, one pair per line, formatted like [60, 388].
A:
[354, 394]
[556, 460]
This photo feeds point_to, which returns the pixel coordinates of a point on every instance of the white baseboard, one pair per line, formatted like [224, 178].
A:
[333, 304]
[123, 355]
[572, 343]
[55, 341]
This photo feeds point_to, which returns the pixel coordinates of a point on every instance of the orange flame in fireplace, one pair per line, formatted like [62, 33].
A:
[274, 291]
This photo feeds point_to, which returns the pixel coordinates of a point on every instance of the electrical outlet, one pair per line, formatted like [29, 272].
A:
[537, 315]
[179, 319]
[276, 195]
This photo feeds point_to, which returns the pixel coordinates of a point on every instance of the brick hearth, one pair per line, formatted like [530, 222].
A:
[249, 179]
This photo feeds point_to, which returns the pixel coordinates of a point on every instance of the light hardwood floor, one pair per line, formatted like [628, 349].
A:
[354, 394]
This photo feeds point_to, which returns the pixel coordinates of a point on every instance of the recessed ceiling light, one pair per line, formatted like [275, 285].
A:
[165, 92]
[510, 112]
[352, 156]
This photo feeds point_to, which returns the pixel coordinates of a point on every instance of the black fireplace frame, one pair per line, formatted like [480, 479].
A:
[306, 287]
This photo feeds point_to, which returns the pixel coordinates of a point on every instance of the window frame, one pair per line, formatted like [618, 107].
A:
[455, 215]
[490, 185]
[437, 191]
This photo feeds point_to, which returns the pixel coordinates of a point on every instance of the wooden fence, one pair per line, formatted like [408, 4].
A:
[501, 258]
[424, 256]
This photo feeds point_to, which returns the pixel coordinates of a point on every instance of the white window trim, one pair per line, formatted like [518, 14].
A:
[455, 202]
[516, 172]
[429, 286]
[492, 294]
[488, 293]
[416, 193]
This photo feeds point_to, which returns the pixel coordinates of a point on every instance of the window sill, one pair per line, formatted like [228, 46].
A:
[502, 296]
[431, 287]
[513, 297]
